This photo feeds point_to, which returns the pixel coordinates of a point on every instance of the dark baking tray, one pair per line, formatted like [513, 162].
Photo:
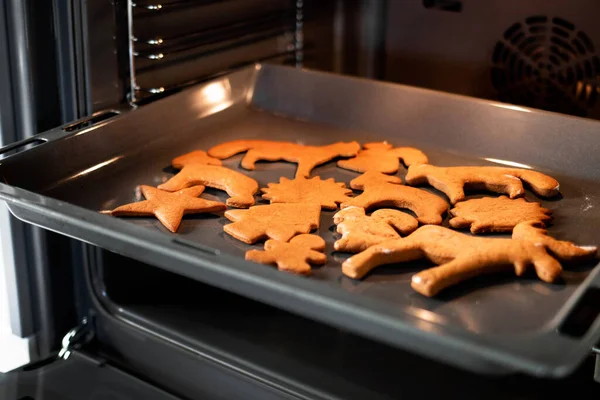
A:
[492, 324]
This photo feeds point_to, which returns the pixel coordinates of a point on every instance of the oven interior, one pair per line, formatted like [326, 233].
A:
[286, 347]
[532, 53]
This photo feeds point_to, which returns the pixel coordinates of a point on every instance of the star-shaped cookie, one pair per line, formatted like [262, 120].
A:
[169, 207]
[328, 193]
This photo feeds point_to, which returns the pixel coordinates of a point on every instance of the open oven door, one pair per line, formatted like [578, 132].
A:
[29, 103]
[79, 376]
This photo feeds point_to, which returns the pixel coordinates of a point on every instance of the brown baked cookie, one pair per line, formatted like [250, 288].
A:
[307, 157]
[462, 257]
[373, 178]
[199, 169]
[295, 256]
[534, 232]
[274, 221]
[428, 207]
[195, 157]
[328, 193]
[360, 231]
[452, 180]
[169, 207]
[383, 157]
[499, 214]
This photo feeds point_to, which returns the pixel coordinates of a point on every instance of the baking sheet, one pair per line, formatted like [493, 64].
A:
[489, 323]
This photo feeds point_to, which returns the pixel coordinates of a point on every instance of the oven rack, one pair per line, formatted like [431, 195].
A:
[160, 61]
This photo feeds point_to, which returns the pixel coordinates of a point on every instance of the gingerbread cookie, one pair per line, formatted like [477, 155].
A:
[428, 207]
[328, 193]
[307, 157]
[169, 207]
[360, 231]
[195, 157]
[500, 214]
[462, 257]
[452, 180]
[383, 157]
[534, 232]
[275, 221]
[373, 178]
[199, 169]
[295, 256]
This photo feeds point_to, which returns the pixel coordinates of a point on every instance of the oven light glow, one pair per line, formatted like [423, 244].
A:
[214, 97]
[86, 171]
[96, 167]
[215, 93]
[427, 315]
[509, 163]
[511, 107]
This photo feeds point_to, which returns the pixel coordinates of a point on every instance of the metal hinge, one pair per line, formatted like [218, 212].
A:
[76, 337]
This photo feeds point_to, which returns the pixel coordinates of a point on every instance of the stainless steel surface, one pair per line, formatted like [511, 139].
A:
[133, 86]
[20, 119]
[76, 338]
[80, 377]
[456, 51]
[275, 346]
[20, 320]
[100, 45]
[493, 323]
[22, 73]
[299, 33]
[173, 44]
[371, 30]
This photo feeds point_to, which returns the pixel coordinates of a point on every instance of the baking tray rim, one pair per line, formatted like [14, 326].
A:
[314, 299]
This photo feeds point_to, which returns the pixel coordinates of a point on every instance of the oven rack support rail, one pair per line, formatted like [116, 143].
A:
[288, 24]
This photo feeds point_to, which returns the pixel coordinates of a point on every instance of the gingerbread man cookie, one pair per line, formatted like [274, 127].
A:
[328, 193]
[275, 221]
[307, 157]
[383, 157]
[500, 214]
[199, 169]
[428, 207]
[462, 257]
[295, 256]
[360, 231]
[452, 180]
[168, 207]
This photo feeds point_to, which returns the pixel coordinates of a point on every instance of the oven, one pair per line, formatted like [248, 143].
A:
[121, 309]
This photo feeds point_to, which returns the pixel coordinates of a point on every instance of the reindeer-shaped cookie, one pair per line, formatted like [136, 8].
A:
[462, 257]
[453, 180]
[307, 157]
